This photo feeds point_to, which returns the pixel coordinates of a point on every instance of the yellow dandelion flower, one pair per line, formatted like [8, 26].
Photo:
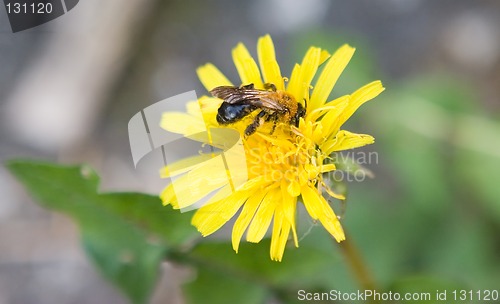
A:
[285, 164]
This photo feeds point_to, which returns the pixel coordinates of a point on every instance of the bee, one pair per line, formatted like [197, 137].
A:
[273, 105]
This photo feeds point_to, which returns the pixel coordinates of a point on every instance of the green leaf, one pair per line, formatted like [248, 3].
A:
[126, 234]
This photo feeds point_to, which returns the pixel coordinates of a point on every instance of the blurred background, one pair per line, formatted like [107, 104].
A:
[69, 87]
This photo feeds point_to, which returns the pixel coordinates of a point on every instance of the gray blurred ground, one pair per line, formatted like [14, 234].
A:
[69, 87]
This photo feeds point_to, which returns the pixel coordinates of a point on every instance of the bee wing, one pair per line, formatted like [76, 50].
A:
[270, 103]
[224, 92]
[234, 95]
[259, 98]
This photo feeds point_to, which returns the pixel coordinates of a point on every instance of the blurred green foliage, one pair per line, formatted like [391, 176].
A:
[429, 221]
[125, 234]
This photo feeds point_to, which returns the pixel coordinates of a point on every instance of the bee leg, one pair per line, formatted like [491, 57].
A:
[274, 118]
[255, 124]
[270, 86]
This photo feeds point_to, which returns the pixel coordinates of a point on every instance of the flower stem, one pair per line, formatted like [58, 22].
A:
[358, 267]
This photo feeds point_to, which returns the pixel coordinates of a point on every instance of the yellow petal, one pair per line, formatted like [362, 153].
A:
[281, 230]
[327, 168]
[183, 165]
[211, 77]
[294, 84]
[246, 66]
[314, 115]
[262, 219]
[193, 108]
[347, 140]
[311, 170]
[337, 106]
[168, 197]
[308, 68]
[245, 217]
[276, 252]
[210, 218]
[182, 123]
[331, 120]
[289, 210]
[278, 142]
[317, 135]
[318, 208]
[199, 182]
[268, 64]
[323, 56]
[361, 96]
[309, 197]
[329, 76]
[293, 188]
[254, 183]
[209, 106]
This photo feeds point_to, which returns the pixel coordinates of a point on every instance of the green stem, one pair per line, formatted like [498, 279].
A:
[358, 267]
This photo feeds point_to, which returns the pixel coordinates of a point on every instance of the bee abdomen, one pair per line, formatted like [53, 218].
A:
[230, 113]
